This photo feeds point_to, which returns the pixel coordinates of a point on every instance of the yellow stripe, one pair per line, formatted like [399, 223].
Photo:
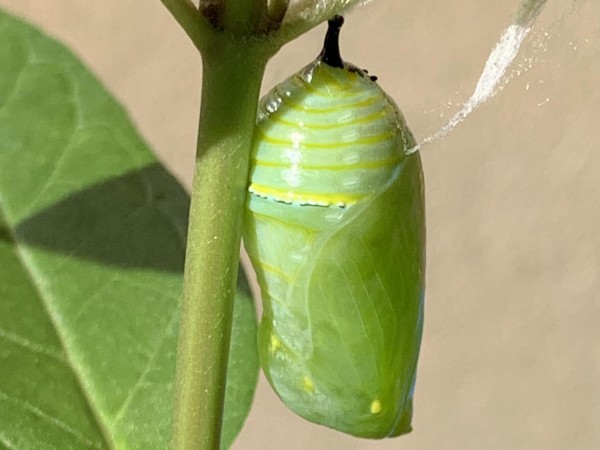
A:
[339, 167]
[300, 82]
[330, 126]
[283, 223]
[350, 77]
[275, 271]
[297, 107]
[332, 80]
[327, 145]
[304, 198]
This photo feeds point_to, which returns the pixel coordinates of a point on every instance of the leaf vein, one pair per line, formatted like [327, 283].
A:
[30, 345]
[17, 82]
[48, 418]
[53, 319]
[165, 333]
[4, 440]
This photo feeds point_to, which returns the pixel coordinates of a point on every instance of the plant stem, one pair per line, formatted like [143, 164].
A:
[190, 19]
[232, 73]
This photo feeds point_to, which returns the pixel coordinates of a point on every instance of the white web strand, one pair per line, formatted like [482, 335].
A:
[500, 59]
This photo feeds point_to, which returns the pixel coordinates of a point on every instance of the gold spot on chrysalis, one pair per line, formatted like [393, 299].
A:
[375, 407]
[308, 385]
[275, 344]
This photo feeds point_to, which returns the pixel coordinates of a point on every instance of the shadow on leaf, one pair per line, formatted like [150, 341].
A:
[136, 220]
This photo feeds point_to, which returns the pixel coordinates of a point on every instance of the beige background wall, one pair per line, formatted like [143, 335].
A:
[511, 353]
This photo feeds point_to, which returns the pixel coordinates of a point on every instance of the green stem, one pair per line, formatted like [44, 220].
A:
[190, 19]
[244, 17]
[232, 74]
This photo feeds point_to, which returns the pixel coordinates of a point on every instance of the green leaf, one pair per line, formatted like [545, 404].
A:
[303, 15]
[92, 243]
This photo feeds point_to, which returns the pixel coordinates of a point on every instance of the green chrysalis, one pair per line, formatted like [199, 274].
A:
[335, 230]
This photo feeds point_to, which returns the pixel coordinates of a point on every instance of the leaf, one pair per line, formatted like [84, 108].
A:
[92, 241]
[304, 15]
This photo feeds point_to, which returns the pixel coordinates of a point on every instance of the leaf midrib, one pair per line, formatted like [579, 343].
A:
[69, 362]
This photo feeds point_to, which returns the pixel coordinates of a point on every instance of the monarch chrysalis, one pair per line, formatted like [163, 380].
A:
[335, 230]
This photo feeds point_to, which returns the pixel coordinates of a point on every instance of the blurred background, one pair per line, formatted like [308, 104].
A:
[511, 351]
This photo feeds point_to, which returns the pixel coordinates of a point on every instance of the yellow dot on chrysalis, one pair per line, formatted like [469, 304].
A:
[308, 385]
[275, 343]
[375, 407]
